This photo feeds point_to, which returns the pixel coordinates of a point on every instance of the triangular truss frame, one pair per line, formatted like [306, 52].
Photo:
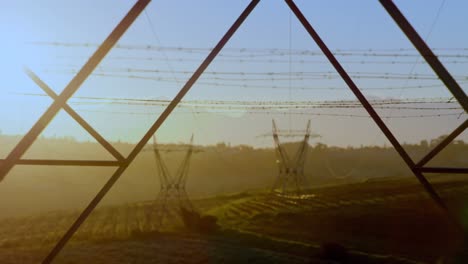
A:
[290, 171]
[122, 163]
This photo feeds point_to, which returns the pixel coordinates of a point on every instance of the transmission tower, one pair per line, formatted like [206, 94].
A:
[291, 176]
[172, 197]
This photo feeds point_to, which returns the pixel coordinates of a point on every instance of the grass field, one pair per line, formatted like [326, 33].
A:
[386, 221]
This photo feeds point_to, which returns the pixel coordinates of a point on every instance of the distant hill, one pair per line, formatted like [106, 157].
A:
[214, 169]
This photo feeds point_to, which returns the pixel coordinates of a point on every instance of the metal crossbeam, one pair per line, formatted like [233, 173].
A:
[71, 88]
[444, 143]
[75, 115]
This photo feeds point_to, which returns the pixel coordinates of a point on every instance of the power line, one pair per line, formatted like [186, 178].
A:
[270, 105]
[268, 51]
[267, 73]
[298, 76]
[272, 86]
[219, 106]
[433, 100]
[279, 61]
[276, 113]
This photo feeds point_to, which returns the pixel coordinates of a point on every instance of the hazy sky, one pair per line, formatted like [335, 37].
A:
[198, 25]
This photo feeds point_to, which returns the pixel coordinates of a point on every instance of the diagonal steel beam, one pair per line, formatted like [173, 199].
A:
[75, 116]
[279, 149]
[164, 175]
[71, 88]
[87, 211]
[442, 144]
[365, 103]
[426, 52]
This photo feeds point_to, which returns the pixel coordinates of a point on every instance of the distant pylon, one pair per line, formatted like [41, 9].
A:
[172, 196]
[291, 177]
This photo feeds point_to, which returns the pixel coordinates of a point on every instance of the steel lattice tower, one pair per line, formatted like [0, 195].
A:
[291, 177]
[172, 196]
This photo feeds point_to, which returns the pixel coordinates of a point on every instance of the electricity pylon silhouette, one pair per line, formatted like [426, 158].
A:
[172, 196]
[291, 177]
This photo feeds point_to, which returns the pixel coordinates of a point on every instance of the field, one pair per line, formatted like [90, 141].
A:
[385, 221]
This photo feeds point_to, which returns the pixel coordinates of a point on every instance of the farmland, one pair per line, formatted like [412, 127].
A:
[386, 217]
